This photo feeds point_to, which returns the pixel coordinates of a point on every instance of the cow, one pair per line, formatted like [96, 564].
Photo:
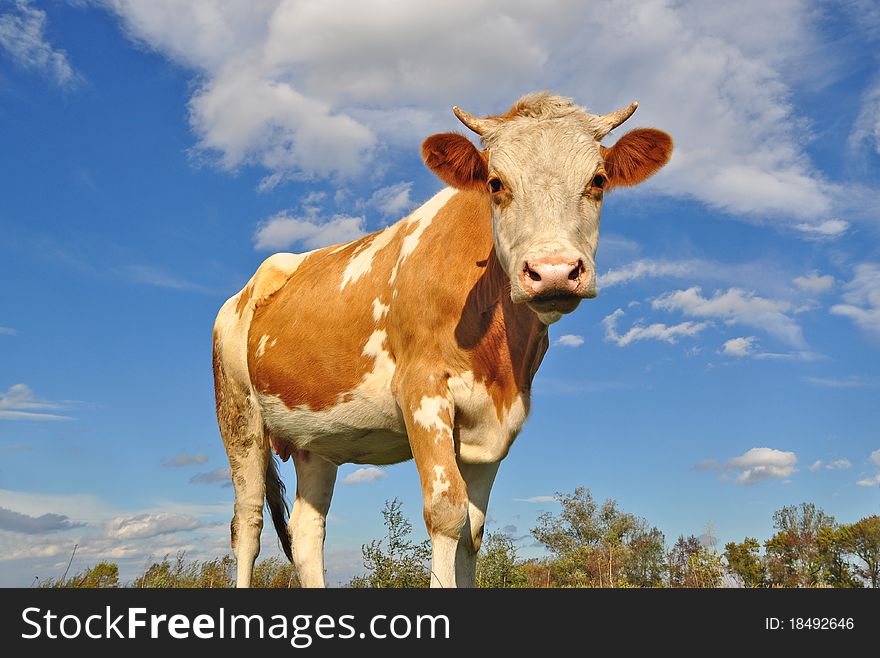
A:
[419, 341]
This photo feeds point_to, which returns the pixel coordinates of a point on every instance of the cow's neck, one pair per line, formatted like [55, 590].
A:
[506, 341]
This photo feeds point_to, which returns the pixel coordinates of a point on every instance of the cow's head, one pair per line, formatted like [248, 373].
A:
[546, 174]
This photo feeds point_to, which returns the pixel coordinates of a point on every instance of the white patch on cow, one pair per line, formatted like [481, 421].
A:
[261, 347]
[362, 260]
[432, 415]
[380, 310]
[441, 483]
[374, 344]
[422, 218]
[482, 437]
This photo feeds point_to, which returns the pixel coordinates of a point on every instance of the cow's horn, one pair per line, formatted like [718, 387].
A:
[609, 122]
[476, 124]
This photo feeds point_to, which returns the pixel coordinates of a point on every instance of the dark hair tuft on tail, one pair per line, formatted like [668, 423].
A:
[277, 503]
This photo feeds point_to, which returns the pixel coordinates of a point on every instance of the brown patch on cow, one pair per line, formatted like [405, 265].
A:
[320, 330]
[636, 156]
[506, 341]
[243, 298]
[456, 161]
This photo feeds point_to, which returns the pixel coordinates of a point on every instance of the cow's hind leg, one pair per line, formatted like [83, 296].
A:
[315, 479]
[479, 479]
[242, 430]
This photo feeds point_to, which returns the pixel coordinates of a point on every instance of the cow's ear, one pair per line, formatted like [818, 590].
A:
[455, 161]
[636, 156]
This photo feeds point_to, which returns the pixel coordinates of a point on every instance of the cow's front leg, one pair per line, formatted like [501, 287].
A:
[428, 420]
[479, 479]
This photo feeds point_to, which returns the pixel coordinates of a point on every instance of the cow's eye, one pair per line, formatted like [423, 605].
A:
[598, 181]
[495, 185]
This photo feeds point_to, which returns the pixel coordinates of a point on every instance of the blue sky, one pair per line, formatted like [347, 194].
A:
[151, 157]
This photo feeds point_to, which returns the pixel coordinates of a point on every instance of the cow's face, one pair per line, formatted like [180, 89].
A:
[546, 174]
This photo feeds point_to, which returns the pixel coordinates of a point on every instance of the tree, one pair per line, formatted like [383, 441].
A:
[647, 564]
[793, 553]
[597, 546]
[693, 565]
[744, 561]
[395, 561]
[862, 539]
[832, 554]
[497, 564]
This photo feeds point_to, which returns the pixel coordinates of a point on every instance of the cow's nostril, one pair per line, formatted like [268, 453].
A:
[534, 276]
[575, 274]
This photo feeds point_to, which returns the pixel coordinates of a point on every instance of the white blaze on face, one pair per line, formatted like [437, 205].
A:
[432, 415]
[547, 167]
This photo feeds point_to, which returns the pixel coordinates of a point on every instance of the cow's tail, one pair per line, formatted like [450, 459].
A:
[276, 501]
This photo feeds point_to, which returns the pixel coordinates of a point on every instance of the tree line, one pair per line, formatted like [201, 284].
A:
[587, 544]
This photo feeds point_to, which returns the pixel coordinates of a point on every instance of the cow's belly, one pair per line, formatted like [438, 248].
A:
[365, 428]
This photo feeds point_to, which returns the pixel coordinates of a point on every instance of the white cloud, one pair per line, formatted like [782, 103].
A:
[830, 228]
[20, 403]
[747, 346]
[875, 480]
[155, 276]
[656, 331]
[743, 346]
[569, 340]
[393, 200]
[536, 499]
[646, 268]
[8, 331]
[816, 465]
[103, 531]
[186, 460]
[141, 526]
[13, 521]
[221, 475]
[838, 465]
[83, 507]
[23, 38]
[283, 230]
[862, 297]
[867, 125]
[760, 464]
[275, 90]
[368, 474]
[736, 306]
[852, 381]
[814, 282]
